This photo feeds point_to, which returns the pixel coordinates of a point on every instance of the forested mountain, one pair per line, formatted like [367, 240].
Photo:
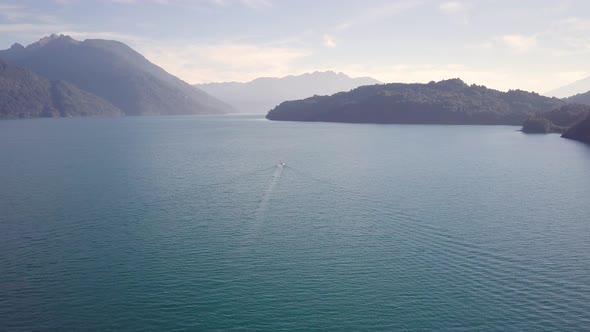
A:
[262, 94]
[579, 132]
[445, 102]
[557, 120]
[115, 72]
[23, 94]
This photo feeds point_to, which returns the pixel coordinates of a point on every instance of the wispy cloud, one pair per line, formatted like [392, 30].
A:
[564, 37]
[371, 15]
[125, 1]
[570, 76]
[451, 7]
[199, 63]
[31, 29]
[520, 43]
[24, 21]
[10, 13]
[455, 10]
[423, 73]
[329, 41]
[570, 36]
[255, 4]
[378, 13]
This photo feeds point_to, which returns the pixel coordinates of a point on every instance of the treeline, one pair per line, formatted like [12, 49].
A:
[557, 120]
[579, 132]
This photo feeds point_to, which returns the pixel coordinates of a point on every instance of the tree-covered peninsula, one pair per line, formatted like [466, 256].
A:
[445, 102]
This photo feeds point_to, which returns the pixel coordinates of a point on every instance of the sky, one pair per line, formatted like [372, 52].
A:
[531, 45]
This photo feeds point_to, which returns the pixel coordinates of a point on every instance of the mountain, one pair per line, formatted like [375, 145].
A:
[571, 89]
[579, 132]
[23, 94]
[445, 102]
[557, 120]
[262, 94]
[115, 72]
[580, 98]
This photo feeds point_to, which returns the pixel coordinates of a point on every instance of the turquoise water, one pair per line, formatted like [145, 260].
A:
[186, 223]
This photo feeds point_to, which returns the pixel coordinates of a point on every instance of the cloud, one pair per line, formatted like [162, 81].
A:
[22, 21]
[12, 13]
[562, 38]
[378, 13]
[455, 10]
[223, 62]
[569, 36]
[255, 4]
[201, 62]
[570, 76]
[329, 41]
[21, 14]
[520, 43]
[31, 28]
[492, 78]
[423, 73]
[451, 7]
[411, 73]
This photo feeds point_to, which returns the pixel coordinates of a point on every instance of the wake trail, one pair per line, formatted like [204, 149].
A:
[262, 207]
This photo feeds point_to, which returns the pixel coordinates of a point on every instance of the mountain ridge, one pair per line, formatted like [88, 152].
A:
[115, 72]
[263, 93]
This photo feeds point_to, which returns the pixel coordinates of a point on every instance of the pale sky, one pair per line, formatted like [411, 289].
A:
[531, 45]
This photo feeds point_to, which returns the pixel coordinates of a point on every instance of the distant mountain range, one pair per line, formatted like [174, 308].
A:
[262, 94]
[114, 72]
[577, 87]
[445, 102]
[24, 94]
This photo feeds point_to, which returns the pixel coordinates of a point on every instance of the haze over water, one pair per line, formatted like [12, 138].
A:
[177, 223]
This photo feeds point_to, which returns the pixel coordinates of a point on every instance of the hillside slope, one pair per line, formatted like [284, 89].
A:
[23, 94]
[115, 72]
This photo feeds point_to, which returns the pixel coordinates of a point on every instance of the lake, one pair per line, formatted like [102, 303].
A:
[188, 223]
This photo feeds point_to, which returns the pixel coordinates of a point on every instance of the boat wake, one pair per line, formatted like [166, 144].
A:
[276, 175]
